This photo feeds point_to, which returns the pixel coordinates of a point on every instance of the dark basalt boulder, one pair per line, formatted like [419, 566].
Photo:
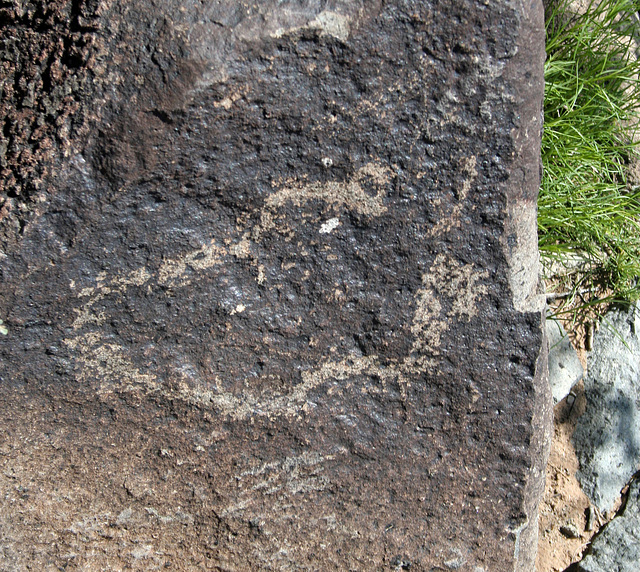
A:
[270, 285]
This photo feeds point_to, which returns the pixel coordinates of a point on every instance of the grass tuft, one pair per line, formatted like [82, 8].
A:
[588, 208]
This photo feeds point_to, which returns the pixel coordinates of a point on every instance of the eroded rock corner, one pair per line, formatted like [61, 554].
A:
[269, 286]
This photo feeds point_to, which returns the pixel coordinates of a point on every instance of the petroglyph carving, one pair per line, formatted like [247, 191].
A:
[453, 281]
[450, 292]
[351, 195]
[292, 475]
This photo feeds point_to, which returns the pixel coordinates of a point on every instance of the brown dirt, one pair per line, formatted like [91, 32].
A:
[564, 504]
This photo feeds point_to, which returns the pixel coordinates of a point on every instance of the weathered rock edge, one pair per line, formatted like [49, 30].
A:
[526, 71]
[177, 391]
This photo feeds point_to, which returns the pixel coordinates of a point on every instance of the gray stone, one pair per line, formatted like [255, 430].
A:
[565, 369]
[270, 286]
[607, 437]
[617, 547]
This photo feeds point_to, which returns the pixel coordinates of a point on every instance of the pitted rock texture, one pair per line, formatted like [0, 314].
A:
[277, 307]
[48, 60]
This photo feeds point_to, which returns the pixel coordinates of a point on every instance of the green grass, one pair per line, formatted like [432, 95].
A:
[591, 111]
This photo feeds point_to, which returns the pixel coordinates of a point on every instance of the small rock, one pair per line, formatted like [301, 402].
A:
[124, 517]
[591, 516]
[618, 546]
[570, 530]
[565, 369]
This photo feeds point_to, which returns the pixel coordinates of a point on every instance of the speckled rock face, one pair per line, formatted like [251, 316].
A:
[274, 306]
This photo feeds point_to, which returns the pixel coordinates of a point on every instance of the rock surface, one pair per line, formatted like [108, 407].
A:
[617, 547]
[565, 369]
[607, 437]
[271, 302]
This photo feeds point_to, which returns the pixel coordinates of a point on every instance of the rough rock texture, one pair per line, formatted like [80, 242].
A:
[617, 547]
[48, 56]
[272, 303]
[565, 369]
[607, 437]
